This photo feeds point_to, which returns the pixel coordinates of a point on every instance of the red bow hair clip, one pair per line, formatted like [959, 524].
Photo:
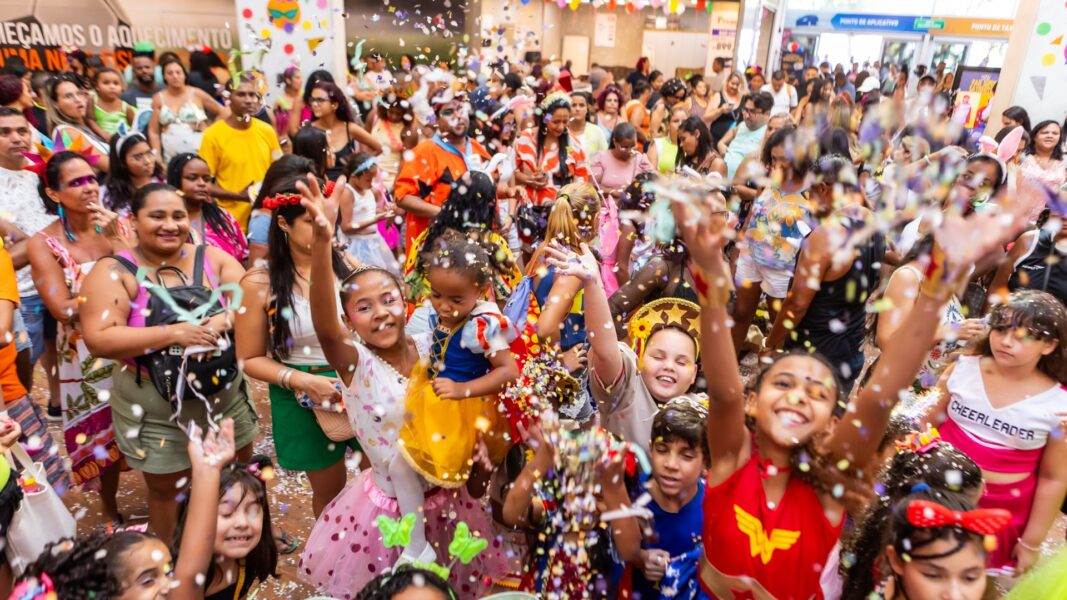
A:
[280, 200]
[328, 190]
[984, 521]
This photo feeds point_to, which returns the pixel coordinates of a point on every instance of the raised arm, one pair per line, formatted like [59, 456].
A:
[814, 261]
[960, 243]
[605, 357]
[703, 226]
[197, 546]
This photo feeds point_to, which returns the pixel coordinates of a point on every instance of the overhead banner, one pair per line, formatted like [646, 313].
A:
[38, 33]
[824, 20]
[974, 91]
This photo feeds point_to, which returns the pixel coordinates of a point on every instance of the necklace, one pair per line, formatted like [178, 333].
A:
[401, 379]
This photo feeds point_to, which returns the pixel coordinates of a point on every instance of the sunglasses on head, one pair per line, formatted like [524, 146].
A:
[82, 181]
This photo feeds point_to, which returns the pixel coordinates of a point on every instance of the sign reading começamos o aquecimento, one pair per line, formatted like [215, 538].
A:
[38, 32]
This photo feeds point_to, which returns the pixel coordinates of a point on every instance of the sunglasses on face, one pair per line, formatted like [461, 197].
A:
[318, 100]
[82, 181]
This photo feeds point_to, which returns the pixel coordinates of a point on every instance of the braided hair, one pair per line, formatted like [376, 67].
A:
[562, 177]
[941, 469]
[86, 568]
[213, 216]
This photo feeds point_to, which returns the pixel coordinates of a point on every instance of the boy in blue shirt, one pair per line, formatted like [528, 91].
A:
[679, 457]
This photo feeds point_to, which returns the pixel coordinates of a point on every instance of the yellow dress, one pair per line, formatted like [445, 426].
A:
[439, 436]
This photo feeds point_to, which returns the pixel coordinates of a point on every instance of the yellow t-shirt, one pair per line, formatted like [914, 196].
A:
[237, 158]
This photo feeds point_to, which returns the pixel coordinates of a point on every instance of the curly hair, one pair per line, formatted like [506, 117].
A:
[86, 568]
[454, 251]
[942, 469]
[389, 584]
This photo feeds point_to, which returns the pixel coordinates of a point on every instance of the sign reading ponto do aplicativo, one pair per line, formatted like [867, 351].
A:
[39, 31]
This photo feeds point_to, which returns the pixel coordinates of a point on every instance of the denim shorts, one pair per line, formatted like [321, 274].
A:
[40, 325]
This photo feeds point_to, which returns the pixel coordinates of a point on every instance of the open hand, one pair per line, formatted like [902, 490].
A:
[213, 449]
[702, 223]
[567, 262]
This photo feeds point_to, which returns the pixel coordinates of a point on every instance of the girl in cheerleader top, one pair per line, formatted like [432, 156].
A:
[1000, 408]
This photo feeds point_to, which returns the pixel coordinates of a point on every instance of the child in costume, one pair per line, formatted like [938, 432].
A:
[936, 547]
[130, 563]
[565, 497]
[453, 419]
[234, 547]
[780, 486]
[631, 383]
[922, 461]
[999, 407]
[345, 549]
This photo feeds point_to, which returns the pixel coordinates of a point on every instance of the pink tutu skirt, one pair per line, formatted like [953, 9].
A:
[345, 551]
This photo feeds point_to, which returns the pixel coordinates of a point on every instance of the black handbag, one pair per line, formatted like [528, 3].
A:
[202, 378]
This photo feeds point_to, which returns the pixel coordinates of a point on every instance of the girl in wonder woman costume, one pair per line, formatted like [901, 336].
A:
[780, 479]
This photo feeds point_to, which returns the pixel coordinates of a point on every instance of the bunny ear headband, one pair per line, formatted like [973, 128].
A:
[517, 103]
[1003, 152]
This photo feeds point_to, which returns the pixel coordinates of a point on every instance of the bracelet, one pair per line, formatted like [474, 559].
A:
[284, 376]
[1027, 546]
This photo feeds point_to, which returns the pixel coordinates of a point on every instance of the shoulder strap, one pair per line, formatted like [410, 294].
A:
[129, 264]
[198, 266]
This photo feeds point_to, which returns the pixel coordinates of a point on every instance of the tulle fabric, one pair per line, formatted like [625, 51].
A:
[439, 440]
[345, 550]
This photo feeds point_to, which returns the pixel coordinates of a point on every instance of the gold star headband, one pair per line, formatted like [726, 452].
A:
[664, 312]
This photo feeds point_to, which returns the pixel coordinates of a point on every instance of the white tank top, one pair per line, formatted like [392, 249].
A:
[306, 349]
[1023, 425]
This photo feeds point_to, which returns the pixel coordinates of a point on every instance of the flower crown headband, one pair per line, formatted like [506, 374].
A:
[279, 200]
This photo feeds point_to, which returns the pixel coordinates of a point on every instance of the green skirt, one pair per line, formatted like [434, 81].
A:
[298, 440]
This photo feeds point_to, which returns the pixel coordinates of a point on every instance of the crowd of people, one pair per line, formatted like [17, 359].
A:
[719, 337]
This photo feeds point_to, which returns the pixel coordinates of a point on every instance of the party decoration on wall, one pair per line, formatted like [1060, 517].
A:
[283, 14]
[308, 33]
[1039, 85]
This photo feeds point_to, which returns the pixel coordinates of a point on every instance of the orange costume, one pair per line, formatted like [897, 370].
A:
[430, 174]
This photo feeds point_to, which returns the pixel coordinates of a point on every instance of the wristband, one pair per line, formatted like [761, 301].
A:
[938, 283]
[711, 296]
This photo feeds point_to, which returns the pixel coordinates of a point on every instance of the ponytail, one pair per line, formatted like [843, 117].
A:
[573, 219]
[562, 226]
